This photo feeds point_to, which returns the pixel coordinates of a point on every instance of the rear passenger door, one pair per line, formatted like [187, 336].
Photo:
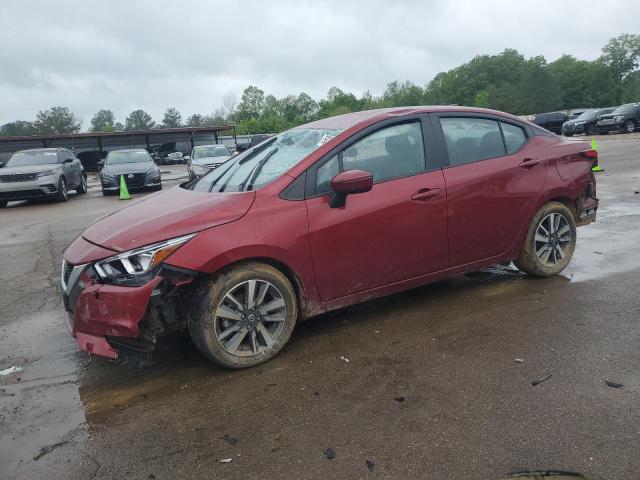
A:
[493, 182]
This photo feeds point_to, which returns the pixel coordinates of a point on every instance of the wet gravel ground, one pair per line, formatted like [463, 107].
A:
[431, 389]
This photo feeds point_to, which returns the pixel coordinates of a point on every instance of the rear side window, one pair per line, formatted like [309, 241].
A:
[471, 139]
[514, 136]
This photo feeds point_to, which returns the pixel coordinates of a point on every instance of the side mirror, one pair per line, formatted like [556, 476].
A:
[349, 182]
[100, 164]
[67, 160]
[186, 158]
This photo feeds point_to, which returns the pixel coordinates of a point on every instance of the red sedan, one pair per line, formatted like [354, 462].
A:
[325, 215]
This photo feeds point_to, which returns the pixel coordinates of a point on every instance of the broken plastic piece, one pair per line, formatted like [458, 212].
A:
[226, 460]
[538, 381]
[370, 465]
[518, 360]
[10, 370]
[614, 384]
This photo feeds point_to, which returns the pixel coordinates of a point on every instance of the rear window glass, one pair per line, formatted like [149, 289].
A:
[472, 139]
[514, 136]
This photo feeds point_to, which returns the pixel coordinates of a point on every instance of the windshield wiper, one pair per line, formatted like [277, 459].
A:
[258, 149]
[255, 171]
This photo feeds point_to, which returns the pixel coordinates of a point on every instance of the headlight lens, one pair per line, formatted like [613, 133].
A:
[198, 169]
[139, 265]
[618, 118]
[46, 173]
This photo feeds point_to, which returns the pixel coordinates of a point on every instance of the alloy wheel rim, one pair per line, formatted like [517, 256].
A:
[84, 182]
[63, 186]
[553, 237]
[250, 318]
[630, 127]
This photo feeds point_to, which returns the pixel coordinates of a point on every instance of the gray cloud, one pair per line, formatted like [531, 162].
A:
[125, 55]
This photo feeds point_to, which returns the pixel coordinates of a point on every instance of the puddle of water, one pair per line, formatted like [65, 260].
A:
[40, 405]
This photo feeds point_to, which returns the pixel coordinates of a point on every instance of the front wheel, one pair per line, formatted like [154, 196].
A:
[62, 195]
[568, 134]
[591, 130]
[3, 203]
[82, 188]
[550, 241]
[245, 316]
[629, 127]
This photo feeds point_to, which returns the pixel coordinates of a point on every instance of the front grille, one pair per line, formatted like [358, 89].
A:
[18, 177]
[21, 194]
[136, 180]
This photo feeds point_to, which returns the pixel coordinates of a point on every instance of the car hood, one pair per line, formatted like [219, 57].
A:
[28, 168]
[210, 160]
[124, 168]
[165, 215]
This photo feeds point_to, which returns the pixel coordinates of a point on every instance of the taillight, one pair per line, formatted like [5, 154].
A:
[593, 155]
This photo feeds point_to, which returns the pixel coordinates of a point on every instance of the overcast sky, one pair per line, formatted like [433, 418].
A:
[125, 55]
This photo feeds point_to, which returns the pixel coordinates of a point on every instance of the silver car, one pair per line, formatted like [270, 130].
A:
[41, 173]
[205, 158]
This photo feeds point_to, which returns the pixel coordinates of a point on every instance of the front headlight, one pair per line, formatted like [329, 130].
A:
[198, 169]
[138, 266]
[46, 173]
[618, 118]
[579, 123]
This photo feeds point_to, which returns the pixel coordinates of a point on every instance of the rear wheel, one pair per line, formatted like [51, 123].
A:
[244, 317]
[82, 188]
[550, 241]
[62, 195]
[629, 127]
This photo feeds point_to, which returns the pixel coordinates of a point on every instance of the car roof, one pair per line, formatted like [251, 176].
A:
[50, 149]
[212, 145]
[129, 150]
[348, 120]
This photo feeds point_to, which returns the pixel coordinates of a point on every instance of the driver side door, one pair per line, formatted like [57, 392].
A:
[394, 232]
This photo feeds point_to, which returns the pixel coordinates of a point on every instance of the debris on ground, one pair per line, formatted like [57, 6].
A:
[344, 359]
[399, 399]
[46, 450]
[10, 370]
[226, 460]
[518, 360]
[598, 253]
[614, 384]
[538, 381]
[229, 439]
[370, 465]
[329, 453]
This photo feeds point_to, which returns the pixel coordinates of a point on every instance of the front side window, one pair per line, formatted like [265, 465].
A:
[471, 139]
[514, 136]
[391, 152]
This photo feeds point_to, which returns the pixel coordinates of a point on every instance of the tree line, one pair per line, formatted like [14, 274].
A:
[507, 81]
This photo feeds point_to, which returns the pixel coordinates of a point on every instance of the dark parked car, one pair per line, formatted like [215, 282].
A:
[90, 159]
[41, 173]
[170, 153]
[585, 122]
[552, 121]
[205, 158]
[253, 141]
[625, 118]
[325, 215]
[135, 165]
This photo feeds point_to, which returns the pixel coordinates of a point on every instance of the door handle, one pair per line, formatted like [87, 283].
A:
[529, 163]
[425, 194]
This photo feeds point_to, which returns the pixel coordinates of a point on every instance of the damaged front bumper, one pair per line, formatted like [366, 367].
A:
[121, 322]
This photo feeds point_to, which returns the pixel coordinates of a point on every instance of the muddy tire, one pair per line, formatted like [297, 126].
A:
[245, 316]
[550, 241]
[82, 188]
[62, 195]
